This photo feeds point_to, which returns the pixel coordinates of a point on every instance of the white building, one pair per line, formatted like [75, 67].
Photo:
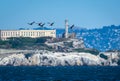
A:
[4, 34]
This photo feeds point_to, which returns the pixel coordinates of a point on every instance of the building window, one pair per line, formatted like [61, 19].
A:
[23, 33]
[11, 33]
[29, 33]
[5, 33]
[2, 34]
[37, 33]
[33, 33]
[8, 33]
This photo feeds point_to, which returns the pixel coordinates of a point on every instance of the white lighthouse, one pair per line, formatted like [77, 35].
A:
[66, 28]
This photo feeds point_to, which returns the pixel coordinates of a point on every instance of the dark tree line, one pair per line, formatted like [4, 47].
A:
[23, 42]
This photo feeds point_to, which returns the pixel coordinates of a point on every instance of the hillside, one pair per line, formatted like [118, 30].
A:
[103, 39]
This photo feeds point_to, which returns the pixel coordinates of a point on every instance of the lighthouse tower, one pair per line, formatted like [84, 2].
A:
[66, 28]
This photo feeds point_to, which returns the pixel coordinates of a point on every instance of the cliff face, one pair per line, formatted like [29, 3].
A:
[46, 58]
[49, 58]
[103, 39]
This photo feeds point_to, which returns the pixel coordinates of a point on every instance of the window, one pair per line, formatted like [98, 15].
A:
[8, 33]
[33, 33]
[37, 33]
[24, 34]
[2, 34]
[29, 34]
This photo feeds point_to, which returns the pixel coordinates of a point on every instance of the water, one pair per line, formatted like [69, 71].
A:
[59, 73]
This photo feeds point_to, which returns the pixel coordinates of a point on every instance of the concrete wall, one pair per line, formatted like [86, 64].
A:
[4, 34]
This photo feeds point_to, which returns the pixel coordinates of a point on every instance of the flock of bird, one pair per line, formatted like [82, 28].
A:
[41, 24]
[50, 24]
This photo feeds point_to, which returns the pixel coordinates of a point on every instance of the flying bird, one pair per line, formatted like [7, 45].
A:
[51, 24]
[39, 24]
[31, 23]
[71, 27]
[42, 24]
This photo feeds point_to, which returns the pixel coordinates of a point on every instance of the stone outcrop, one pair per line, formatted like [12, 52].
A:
[46, 58]
[49, 58]
[66, 45]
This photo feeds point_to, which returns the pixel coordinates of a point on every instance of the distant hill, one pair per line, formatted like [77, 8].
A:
[103, 39]
[37, 28]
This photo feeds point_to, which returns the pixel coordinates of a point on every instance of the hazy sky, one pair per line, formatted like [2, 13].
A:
[16, 14]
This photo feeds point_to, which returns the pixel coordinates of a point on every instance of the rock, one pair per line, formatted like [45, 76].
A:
[66, 45]
[14, 59]
[78, 43]
[51, 59]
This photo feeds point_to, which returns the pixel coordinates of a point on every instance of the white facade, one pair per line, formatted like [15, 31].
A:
[66, 28]
[4, 34]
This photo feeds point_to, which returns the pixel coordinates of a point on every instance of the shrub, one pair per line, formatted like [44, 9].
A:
[28, 55]
[42, 39]
[103, 56]
[2, 42]
[118, 62]
[24, 42]
[92, 51]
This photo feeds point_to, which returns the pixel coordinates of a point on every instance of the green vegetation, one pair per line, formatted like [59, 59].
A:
[113, 51]
[118, 62]
[28, 55]
[92, 51]
[39, 43]
[103, 56]
[59, 40]
[25, 43]
[118, 59]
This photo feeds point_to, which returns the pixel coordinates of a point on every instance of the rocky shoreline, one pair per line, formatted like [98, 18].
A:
[49, 58]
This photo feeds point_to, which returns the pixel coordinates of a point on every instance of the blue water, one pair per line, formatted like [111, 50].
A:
[59, 73]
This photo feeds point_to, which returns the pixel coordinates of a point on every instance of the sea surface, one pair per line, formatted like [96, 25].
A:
[60, 73]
